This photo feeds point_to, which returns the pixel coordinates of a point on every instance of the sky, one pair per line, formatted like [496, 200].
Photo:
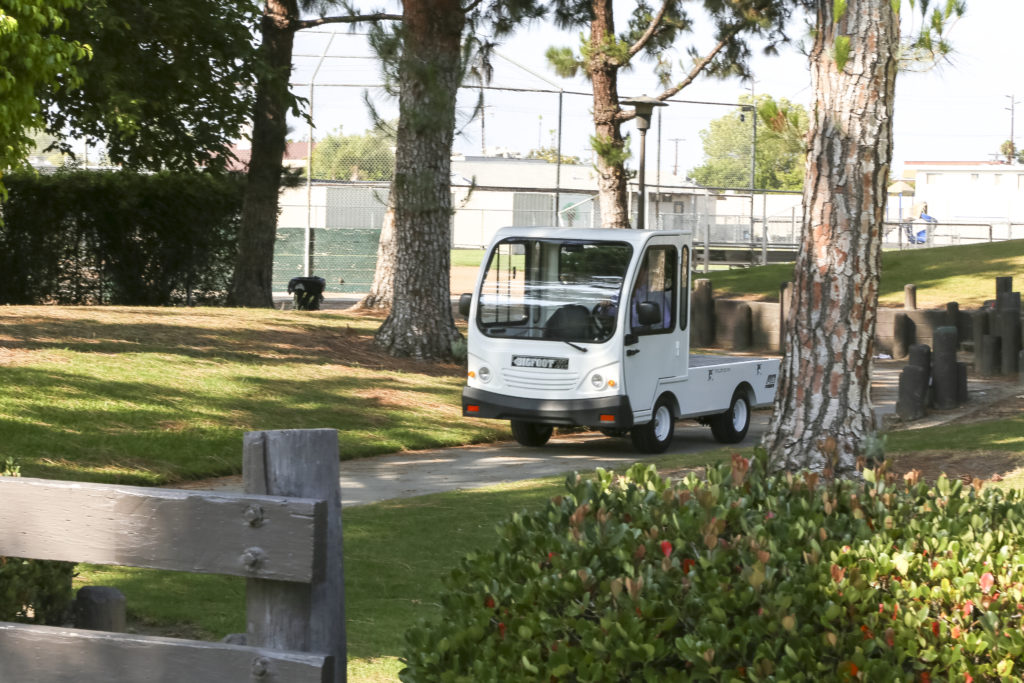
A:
[957, 111]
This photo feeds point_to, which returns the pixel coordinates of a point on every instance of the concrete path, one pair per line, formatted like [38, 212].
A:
[403, 475]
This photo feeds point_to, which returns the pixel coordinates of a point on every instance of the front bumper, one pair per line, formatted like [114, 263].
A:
[608, 412]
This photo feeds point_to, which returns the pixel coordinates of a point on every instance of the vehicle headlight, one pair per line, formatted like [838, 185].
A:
[484, 373]
[597, 381]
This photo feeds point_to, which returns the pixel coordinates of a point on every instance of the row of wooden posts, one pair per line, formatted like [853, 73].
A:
[995, 330]
[284, 535]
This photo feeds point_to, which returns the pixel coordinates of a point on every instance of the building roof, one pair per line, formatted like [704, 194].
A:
[294, 155]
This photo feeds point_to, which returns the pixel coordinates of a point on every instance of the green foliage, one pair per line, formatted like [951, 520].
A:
[612, 153]
[33, 59]
[33, 591]
[550, 155]
[741, 576]
[781, 147]
[187, 94]
[928, 44]
[356, 157]
[118, 237]
[564, 61]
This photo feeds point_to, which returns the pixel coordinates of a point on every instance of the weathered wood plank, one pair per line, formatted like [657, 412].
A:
[289, 616]
[44, 654]
[195, 531]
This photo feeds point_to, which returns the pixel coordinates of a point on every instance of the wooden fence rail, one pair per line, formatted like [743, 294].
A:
[283, 535]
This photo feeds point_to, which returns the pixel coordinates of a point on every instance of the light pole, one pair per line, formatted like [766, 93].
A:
[644, 107]
[1011, 109]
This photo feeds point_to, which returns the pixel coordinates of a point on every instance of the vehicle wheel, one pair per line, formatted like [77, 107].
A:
[655, 436]
[613, 432]
[531, 433]
[731, 426]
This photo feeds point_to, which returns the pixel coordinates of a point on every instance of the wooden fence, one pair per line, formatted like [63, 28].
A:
[283, 535]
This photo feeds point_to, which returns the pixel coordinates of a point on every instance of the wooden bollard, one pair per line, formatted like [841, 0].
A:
[944, 372]
[979, 328]
[742, 329]
[1004, 284]
[1010, 334]
[990, 356]
[703, 316]
[910, 297]
[913, 392]
[902, 335]
[953, 317]
[100, 608]
[921, 356]
[961, 384]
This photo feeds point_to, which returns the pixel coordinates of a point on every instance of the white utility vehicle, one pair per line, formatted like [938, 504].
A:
[590, 327]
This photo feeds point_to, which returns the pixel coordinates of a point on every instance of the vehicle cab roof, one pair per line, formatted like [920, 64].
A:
[633, 237]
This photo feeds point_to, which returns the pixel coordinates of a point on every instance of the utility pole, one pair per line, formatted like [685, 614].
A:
[1012, 109]
[675, 164]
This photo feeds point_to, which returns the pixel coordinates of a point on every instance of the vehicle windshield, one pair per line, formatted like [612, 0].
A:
[566, 290]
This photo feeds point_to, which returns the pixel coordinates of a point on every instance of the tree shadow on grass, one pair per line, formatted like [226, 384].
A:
[63, 424]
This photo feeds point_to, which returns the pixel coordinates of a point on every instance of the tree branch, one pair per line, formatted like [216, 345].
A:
[699, 66]
[471, 6]
[651, 28]
[352, 19]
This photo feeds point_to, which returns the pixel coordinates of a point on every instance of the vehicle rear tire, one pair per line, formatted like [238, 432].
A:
[655, 436]
[531, 433]
[732, 425]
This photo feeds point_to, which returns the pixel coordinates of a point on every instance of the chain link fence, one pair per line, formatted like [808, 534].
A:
[510, 137]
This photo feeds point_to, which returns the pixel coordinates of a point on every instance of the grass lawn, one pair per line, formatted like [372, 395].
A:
[965, 274]
[467, 257]
[163, 395]
[160, 395]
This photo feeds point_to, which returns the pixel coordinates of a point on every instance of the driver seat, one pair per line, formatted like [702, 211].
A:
[570, 322]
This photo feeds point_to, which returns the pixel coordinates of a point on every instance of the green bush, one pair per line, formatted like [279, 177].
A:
[33, 591]
[118, 237]
[743, 576]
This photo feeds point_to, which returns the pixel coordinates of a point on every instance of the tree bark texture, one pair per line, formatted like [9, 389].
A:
[382, 290]
[421, 324]
[603, 71]
[251, 281]
[822, 410]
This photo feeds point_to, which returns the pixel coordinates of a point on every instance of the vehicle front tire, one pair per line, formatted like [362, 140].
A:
[732, 425]
[655, 436]
[531, 433]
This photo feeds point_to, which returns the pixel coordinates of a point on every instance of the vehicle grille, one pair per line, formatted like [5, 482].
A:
[546, 380]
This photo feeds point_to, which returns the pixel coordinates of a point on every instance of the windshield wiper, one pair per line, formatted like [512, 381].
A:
[584, 349]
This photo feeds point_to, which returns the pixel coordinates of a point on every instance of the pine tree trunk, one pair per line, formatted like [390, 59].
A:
[382, 290]
[611, 172]
[251, 281]
[823, 411]
[421, 324]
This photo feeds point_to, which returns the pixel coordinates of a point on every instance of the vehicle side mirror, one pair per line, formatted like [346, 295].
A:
[465, 301]
[648, 313]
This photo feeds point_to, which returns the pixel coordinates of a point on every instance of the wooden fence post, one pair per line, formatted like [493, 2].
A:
[292, 616]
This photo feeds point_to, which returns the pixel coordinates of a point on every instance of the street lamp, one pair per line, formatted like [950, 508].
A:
[644, 107]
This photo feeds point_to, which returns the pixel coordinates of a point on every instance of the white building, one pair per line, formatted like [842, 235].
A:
[972, 200]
